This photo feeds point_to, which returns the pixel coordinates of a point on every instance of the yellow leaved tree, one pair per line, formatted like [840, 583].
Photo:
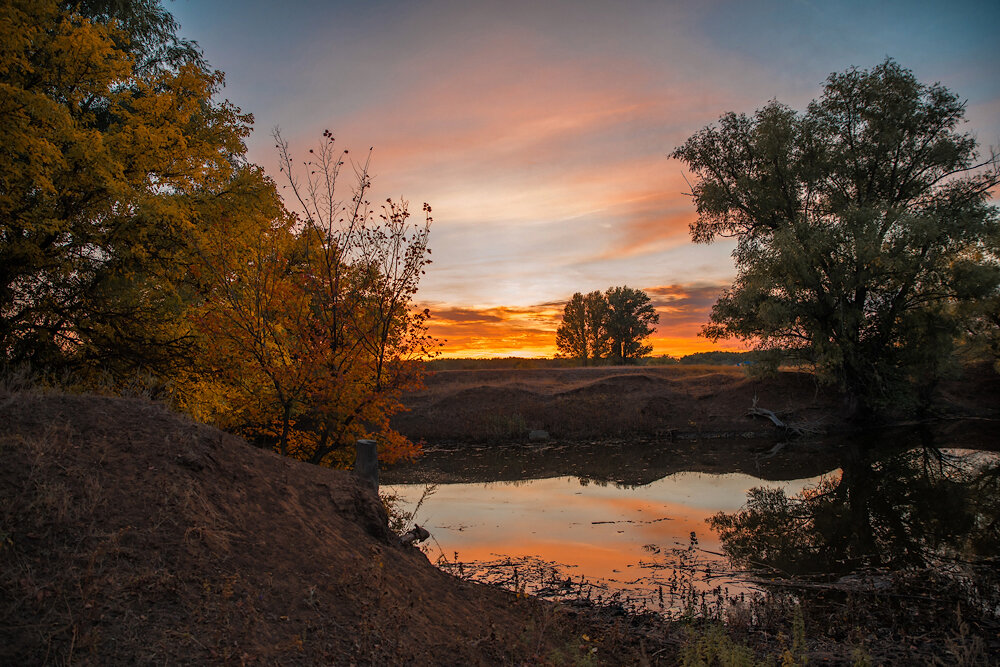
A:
[104, 146]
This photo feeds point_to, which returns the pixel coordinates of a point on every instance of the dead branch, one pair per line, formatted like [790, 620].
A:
[789, 428]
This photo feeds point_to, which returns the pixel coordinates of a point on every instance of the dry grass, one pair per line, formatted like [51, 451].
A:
[602, 402]
[129, 535]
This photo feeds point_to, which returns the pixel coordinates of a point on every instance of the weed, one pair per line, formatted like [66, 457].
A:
[714, 646]
[400, 519]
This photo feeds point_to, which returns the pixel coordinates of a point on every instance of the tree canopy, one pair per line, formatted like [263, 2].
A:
[611, 326]
[104, 166]
[136, 239]
[863, 225]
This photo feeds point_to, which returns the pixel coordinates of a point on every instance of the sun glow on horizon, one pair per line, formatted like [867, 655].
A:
[530, 332]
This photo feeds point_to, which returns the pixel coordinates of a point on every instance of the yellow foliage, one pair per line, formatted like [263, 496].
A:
[101, 175]
[137, 240]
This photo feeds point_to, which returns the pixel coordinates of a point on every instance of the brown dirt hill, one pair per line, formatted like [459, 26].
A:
[130, 535]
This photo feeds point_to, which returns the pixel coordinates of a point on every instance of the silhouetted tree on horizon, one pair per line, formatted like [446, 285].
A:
[609, 326]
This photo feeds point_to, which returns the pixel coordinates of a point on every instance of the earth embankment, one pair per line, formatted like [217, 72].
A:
[574, 404]
[677, 403]
[131, 535]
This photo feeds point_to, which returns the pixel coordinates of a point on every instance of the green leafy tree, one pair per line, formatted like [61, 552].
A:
[630, 321]
[861, 225]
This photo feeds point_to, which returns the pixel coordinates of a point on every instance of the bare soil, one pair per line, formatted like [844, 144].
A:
[130, 535]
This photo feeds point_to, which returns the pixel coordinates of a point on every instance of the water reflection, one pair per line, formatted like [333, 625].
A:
[886, 510]
[634, 462]
[622, 515]
[617, 538]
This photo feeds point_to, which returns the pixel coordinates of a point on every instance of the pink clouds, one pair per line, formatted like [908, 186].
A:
[539, 132]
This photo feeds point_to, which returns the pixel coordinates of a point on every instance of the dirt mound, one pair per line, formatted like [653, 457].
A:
[131, 535]
[485, 394]
[606, 402]
[626, 382]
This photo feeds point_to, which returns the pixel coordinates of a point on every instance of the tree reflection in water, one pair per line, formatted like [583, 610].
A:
[888, 510]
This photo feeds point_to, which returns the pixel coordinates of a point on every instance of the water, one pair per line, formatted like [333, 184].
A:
[625, 521]
[618, 539]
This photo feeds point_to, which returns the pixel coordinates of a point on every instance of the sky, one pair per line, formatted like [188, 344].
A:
[540, 132]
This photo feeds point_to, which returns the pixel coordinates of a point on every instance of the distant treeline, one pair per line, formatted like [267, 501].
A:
[706, 358]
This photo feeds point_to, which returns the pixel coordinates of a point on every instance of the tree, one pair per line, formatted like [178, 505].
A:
[596, 321]
[610, 325]
[134, 236]
[252, 374]
[111, 144]
[583, 334]
[308, 329]
[364, 267]
[571, 336]
[861, 225]
[630, 322]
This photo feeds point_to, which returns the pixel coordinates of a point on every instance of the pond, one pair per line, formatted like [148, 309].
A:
[617, 539]
[619, 521]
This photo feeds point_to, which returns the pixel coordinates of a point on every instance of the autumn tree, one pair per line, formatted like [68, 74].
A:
[607, 326]
[252, 320]
[863, 226]
[364, 267]
[135, 236]
[110, 137]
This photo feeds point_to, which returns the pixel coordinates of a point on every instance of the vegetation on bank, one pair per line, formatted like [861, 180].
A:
[867, 242]
[719, 358]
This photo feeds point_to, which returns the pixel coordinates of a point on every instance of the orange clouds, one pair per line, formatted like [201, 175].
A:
[496, 332]
[547, 173]
[531, 332]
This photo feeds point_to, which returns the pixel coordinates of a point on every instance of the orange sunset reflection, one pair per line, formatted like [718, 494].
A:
[619, 536]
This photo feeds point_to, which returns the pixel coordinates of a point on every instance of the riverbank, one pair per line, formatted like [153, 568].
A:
[666, 403]
[130, 535]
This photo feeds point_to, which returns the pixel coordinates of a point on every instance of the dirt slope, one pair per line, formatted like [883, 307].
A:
[589, 403]
[130, 535]
[665, 403]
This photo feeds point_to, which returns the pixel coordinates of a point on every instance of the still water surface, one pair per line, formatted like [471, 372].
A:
[624, 519]
[621, 538]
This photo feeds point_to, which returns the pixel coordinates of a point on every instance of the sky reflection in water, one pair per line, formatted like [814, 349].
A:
[600, 531]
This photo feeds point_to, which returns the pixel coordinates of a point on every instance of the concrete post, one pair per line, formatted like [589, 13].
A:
[366, 462]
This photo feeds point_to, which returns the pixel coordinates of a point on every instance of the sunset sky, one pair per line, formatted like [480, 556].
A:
[539, 131]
